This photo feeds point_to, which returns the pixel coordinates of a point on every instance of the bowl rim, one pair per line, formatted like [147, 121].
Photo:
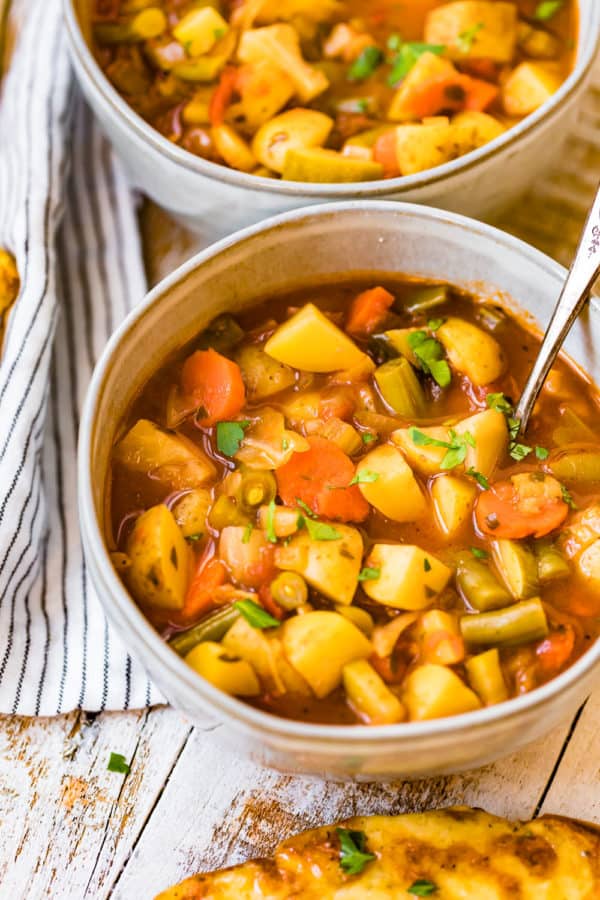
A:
[122, 605]
[588, 44]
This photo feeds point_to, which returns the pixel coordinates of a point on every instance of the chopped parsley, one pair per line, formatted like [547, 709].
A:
[118, 763]
[319, 531]
[567, 497]
[478, 553]
[270, 524]
[541, 453]
[503, 405]
[229, 436]
[305, 508]
[479, 478]
[422, 888]
[255, 615]
[426, 565]
[247, 533]
[354, 855]
[406, 55]
[500, 403]
[434, 324]
[547, 9]
[369, 574]
[466, 39]
[456, 447]
[197, 536]
[365, 64]
[367, 437]
[365, 477]
[429, 353]
[519, 451]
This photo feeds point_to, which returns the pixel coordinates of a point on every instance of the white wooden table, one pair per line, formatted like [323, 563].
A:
[71, 829]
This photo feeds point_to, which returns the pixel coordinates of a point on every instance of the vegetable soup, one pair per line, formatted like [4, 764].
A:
[325, 507]
[334, 90]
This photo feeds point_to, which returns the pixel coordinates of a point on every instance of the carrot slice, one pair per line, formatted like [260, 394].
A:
[555, 650]
[384, 152]
[320, 478]
[200, 596]
[368, 310]
[449, 93]
[223, 95]
[215, 384]
[504, 512]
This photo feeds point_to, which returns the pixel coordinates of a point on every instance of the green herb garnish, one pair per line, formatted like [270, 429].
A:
[426, 565]
[407, 55]
[519, 451]
[429, 353]
[353, 853]
[542, 453]
[547, 9]
[479, 478]
[229, 436]
[434, 324]
[456, 447]
[319, 531]
[567, 497]
[270, 524]
[118, 763]
[500, 403]
[478, 553]
[365, 477]
[367, 437]
[466, 39]
[369, 574]
[247, 533]
[194, 537]
[365, 64]
[422, 888]
[306, 508]
[255, 615]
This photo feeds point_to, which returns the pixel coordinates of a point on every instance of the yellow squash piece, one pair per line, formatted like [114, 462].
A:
[395, 492]
[169, 457]
[159, 560]
[233, 676]
[311, 342]
[280, 45]
[370, 696]
[319, 644]
[200, 29]
[469, 854]
[291, 130]
[472, 351]
[326, 166]
[409, 577]
[528, 87]
[491, 25]
[332, 567]
[433, 692]
[453, 500]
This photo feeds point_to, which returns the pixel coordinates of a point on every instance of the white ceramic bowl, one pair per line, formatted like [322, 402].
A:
[216, 200]
[284, 252]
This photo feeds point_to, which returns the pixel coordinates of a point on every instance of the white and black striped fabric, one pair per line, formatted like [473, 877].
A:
[67, 215]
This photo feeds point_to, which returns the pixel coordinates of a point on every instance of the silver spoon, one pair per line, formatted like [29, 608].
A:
[584, 270]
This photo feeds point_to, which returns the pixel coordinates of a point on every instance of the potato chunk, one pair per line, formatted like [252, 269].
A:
[170, 457]
[315, 164]
[409, 577]
[428, 67]
[160, 561]
[472, 351]
[528, 87]
[453, 501]
[423, 146]
[311, 342]
[294, 129]
[473, 129]
[490, 433]
[234, 676]
[332, 567]
[319, 644]
[191, 512]
[395, 492]
[263, 375]
[425, 459]
[492, 24]
[432, 692]
[280, 44]
[369, 694]
[255, 646]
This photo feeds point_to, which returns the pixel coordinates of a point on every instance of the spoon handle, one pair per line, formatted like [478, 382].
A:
[582, 274]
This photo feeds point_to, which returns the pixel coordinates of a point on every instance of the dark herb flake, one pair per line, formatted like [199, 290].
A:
[369, 574]
[422, 888]
[118, 763]
[354, 855]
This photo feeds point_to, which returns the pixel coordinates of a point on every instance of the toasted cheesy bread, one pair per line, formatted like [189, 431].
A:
[450, 854]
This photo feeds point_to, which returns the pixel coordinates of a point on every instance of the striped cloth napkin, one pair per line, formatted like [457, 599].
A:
[68, 217]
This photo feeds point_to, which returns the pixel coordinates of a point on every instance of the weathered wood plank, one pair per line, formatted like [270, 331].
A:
[233, 810]
[59, 814]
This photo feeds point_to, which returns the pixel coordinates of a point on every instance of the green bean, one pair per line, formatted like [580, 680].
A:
[580, 465]
[486, 678]
[518, 624]
[550, 562]
[518, 568]
[212, 628]
[289, 590]
[426, 298]
[479, 586]
[572, 430]
[401, 389]
[258, 488]
[226, 511]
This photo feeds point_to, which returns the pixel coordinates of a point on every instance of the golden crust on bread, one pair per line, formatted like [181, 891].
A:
[464, 853]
